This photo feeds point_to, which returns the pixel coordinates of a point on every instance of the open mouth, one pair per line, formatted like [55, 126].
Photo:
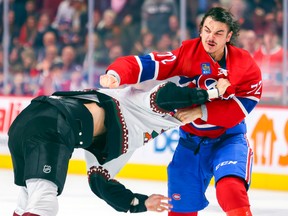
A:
[212, 44]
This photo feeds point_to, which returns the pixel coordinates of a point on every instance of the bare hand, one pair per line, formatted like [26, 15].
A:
[158, 203]
[188, 115]
[222, 85]
[109, 81]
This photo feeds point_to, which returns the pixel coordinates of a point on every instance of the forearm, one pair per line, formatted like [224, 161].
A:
[115, 194]
[124, 69]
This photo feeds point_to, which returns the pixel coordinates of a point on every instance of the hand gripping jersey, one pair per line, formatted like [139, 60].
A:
[133, 116]
[197, 68]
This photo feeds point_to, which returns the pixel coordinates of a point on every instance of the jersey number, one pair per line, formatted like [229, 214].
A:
[171, 56]
[256, 88]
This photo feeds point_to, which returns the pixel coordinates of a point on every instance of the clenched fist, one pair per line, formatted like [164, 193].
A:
[222, 85]
[109, 81]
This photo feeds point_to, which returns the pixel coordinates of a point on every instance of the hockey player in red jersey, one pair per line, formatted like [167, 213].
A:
[215, 143]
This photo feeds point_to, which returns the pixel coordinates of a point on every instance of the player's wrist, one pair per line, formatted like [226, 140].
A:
[135, 201]
[114, 74]
[213, 93]
[138, 203]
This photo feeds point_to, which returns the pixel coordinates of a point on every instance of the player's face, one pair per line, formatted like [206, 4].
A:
[214, 36]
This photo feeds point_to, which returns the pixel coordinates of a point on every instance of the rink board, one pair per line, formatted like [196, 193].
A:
[267, 134]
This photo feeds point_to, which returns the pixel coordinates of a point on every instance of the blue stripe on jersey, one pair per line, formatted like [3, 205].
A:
[239, 128]
[208, 128]
[248, 103]
[148, 65]
[186, 80]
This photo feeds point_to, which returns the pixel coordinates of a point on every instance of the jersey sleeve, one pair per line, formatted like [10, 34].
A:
[153, 66]
[102, 183]
[247, 83]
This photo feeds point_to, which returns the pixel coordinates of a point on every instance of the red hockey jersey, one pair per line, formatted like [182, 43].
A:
[196, 67]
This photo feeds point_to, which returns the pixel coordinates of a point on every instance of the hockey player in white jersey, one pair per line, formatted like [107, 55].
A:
[110, 124]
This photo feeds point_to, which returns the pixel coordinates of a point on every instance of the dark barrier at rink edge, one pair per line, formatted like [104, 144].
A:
[267, 134]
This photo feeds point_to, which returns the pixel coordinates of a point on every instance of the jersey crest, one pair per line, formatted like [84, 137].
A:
[206, 83]
[149, 136]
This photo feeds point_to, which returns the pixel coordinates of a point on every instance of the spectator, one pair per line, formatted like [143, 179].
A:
[67, 20]
[195, 28]
[107, 26]
[68, 56]
[131, 8]
[53, 80]
[31, 9]
[31, 74]
[19, 84]
[79, 9]
[248, 40]
[20, 15]
[49, 39]
[65, 11]
[195, 8]
[155, 16]
[109, 41]
[164, 44]
[75, 83]
[28, 32]
[13, 29]
[279, 22]
[84, 22]
[129, 20]
[173, 27]
[44, 25]
[258, 20]
[51, 54]
[145, 45]
[99, 55]
[269, 58]
[239, 10]
[115, 52]
[28, 61]
[14, 55]
[129, 33]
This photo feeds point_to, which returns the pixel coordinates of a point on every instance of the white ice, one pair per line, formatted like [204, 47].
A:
[77, 199]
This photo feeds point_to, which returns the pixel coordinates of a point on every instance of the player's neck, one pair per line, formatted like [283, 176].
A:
[218, 55]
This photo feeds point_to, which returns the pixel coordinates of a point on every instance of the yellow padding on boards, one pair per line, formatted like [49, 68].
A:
[5, 162]
[158, 172]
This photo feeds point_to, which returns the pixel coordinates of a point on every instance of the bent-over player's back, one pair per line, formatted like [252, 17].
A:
[98, 115]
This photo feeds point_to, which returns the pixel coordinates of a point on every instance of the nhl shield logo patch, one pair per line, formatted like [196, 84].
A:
[47, 169]
[205, 68]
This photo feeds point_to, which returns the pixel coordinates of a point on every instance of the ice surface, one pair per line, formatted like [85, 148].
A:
[77, 199]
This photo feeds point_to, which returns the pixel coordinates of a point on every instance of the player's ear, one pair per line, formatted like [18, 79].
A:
[229, 36]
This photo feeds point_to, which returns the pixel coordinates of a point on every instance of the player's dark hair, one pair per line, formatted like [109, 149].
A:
[221, 15]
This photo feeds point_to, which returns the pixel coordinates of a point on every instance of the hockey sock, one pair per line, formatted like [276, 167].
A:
[42, 197]
[244, 211]
[231, 194]
[182, 214]
[14, 214]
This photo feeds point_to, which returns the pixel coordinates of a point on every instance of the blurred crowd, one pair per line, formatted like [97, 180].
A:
[48, 39]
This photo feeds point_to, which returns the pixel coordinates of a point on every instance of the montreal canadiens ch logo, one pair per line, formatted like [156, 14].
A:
[176, 196]
[206, 82]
